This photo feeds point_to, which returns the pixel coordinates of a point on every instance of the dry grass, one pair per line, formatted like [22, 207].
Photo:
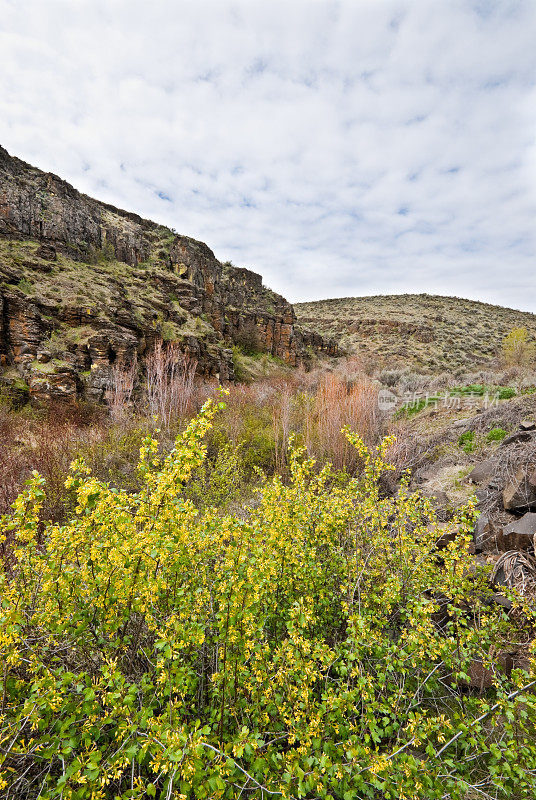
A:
[314, 407]
[259, 420]
[338, 404]
[45, 441]
[170, 383]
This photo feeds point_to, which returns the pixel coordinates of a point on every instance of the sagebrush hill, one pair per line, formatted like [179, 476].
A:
[425, 332]
[86, 287]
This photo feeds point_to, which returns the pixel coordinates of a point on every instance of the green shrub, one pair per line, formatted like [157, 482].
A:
[506, 392]
[26, 286]
[105, 254]
[471, 390]
[479, 390]
[411, 409]
[169, 331]
[254, 434]
[240, 365]
[518, 348]
[113, 458]
[496, 435]
[467, 441]
[152, 650]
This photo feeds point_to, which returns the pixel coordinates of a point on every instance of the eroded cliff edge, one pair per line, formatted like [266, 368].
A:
[85, 286]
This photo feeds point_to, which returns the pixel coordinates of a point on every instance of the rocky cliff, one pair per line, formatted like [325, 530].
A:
[86, 288]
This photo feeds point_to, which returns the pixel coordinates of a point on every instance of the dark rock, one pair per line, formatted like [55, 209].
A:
[46, 252]
[61, 385]
[40, 266]
[519, 436]
[481, 496]
[519, 535]
[446, 534]
[501, 600]
[44, 356]
[441, 616]
[527, 425]
[23, 328]
[438, 497]
[440, 502]
[520, 493]
[486, 535]
[483, 677]
[483, 472]
[461, 423]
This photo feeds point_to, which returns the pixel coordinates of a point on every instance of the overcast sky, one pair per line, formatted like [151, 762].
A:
[338, 148]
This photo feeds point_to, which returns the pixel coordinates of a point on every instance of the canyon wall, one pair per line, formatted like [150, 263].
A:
[86, 288]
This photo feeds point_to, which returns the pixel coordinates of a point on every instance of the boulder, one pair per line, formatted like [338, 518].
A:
[461, 423]
[483, 677]
[446, 534]
[518, 436]
[440, 501]
[44, 356]
[481, 496]
[439, 497]
[40, 266]
[519, 535]
[527, 425]
[499, 599]
[483, 472]
[441, 616]
[47, 252]
[520, 493]
[60, 385]
[487, 535]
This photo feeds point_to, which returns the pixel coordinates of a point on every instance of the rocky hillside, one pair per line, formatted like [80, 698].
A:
[86, 288]
[459, 446]
[422, 331]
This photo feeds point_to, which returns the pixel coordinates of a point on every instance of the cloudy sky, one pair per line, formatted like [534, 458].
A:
[340, 148]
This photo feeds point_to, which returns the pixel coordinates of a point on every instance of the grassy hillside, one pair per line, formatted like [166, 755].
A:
[423, 331]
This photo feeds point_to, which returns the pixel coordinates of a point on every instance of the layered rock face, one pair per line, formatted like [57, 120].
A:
[86, 288]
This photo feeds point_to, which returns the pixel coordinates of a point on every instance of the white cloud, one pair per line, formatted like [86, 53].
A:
[339, 148]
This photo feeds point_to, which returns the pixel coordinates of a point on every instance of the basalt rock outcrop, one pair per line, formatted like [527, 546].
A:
[86, 288]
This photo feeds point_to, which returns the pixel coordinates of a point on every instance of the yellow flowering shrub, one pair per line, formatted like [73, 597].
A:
[150, 649]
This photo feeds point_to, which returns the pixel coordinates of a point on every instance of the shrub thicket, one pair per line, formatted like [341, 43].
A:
[517, 348]
[320, 648]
